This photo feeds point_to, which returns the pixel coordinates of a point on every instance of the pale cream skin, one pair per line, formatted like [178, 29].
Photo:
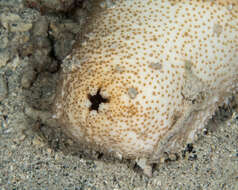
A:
[149, 75]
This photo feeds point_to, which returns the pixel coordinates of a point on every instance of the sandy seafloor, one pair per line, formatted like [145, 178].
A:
[32, 47]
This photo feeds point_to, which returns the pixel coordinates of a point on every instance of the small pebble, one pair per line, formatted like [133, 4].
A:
[57, 156]
[13, 146]
[234, 117]
[3, 42]
[3, 88]
[189, 148]
[147, 168]
[162, 160]
[37, 141]
[234, 158]
[192, 157]
[69, 142]
[49, 150]
[20, 138]
[173, 157]
[4, 57]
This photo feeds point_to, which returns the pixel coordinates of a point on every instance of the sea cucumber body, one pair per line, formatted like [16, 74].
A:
[163, 67]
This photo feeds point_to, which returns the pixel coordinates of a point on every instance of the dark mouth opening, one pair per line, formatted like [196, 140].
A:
[96, 100]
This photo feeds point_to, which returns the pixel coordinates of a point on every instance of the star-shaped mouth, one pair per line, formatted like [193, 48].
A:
[96, 100]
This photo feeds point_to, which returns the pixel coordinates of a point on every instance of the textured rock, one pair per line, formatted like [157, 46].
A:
[8, 18]
[50, 6]
[14, 23]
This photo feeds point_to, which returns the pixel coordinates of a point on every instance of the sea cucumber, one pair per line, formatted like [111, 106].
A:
[149, 75]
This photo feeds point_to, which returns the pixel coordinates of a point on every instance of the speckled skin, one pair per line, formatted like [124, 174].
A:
[149, 75]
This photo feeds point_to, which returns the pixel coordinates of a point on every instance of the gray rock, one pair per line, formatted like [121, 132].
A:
[40, 27]
[27, 49]
[52, 66]
[58, 5]
[64, 46]
[28, 77]
[41, 42]
[41, 59]
[3, 42]
[7, 18]
[20, 27]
